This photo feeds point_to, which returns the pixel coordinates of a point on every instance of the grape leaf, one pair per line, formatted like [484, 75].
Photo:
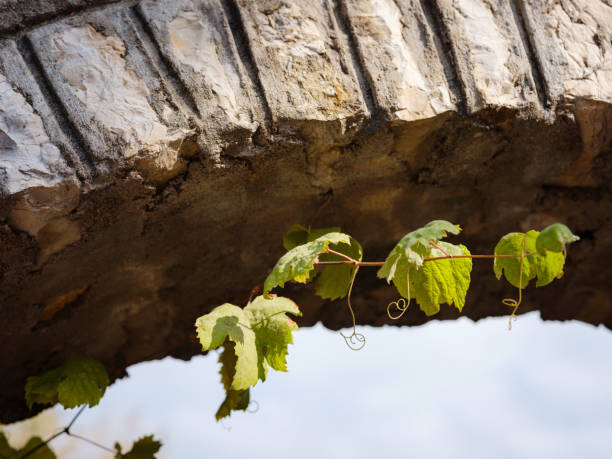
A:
[143, 448]
[261, 333]
[5, 448]
[299, 234]
[298, 263]
[234, 399]
[437, 281]
[442, 281]
[78, 381]
[414, 247]
[44, 452]
[334, 280]
[553, 238]
[543, 267]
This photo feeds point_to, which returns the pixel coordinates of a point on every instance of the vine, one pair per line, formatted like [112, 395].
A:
[80, 381]
[257, 337]
[421, 267]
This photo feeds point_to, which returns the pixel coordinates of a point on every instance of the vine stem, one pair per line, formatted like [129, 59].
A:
[91, 442]
[341, 255]
[349, 260]
[66, 430]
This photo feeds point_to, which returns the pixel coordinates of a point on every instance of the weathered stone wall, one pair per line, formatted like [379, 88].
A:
[153, 153]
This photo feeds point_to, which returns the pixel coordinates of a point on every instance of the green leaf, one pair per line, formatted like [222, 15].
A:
[318, 232]
[414, 247]
[554, 237]
[299, 234]
[231, 321]
[44, 452]
[437, 281]
[234, 399]
[78, 381]
[261, 333]
[144, 448]
[334, 281]
[5, 449]
[442, 281]
[298, 263]
[253, 338]
[545, 268]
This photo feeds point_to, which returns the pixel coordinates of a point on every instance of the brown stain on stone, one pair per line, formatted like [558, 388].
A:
[60, 303]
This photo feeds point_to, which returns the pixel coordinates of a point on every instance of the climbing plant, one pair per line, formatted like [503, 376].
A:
[79, 381]
[421, 266]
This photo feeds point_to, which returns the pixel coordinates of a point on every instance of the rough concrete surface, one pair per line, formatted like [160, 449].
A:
[153, 153]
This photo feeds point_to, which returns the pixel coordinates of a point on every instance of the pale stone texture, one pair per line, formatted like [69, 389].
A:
[28, 158]
[32, 168]
[112, 96]
[573, 41]
[400, 54]
[491, 58]
[17, 13]
[302, 59]
[195, 37]
[32, 141]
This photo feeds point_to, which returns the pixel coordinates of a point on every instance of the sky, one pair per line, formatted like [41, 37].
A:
[446, 389]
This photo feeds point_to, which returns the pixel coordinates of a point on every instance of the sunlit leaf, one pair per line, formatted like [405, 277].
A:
[80, 380]
[545, 268]
[260, 334]
[437, 281]
[414, 247]
[554, 238]
[334, 280]
[298, 263]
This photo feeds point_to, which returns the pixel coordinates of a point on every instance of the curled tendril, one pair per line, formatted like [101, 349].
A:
[355, 341]
[253, 409]
[401, 305]
[511, 302]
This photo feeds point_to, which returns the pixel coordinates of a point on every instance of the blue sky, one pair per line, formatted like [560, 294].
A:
[446, 389]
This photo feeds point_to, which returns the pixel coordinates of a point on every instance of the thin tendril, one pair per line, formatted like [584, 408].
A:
[252, 410]
[401, 305]
[511, 302]
[355, 341]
